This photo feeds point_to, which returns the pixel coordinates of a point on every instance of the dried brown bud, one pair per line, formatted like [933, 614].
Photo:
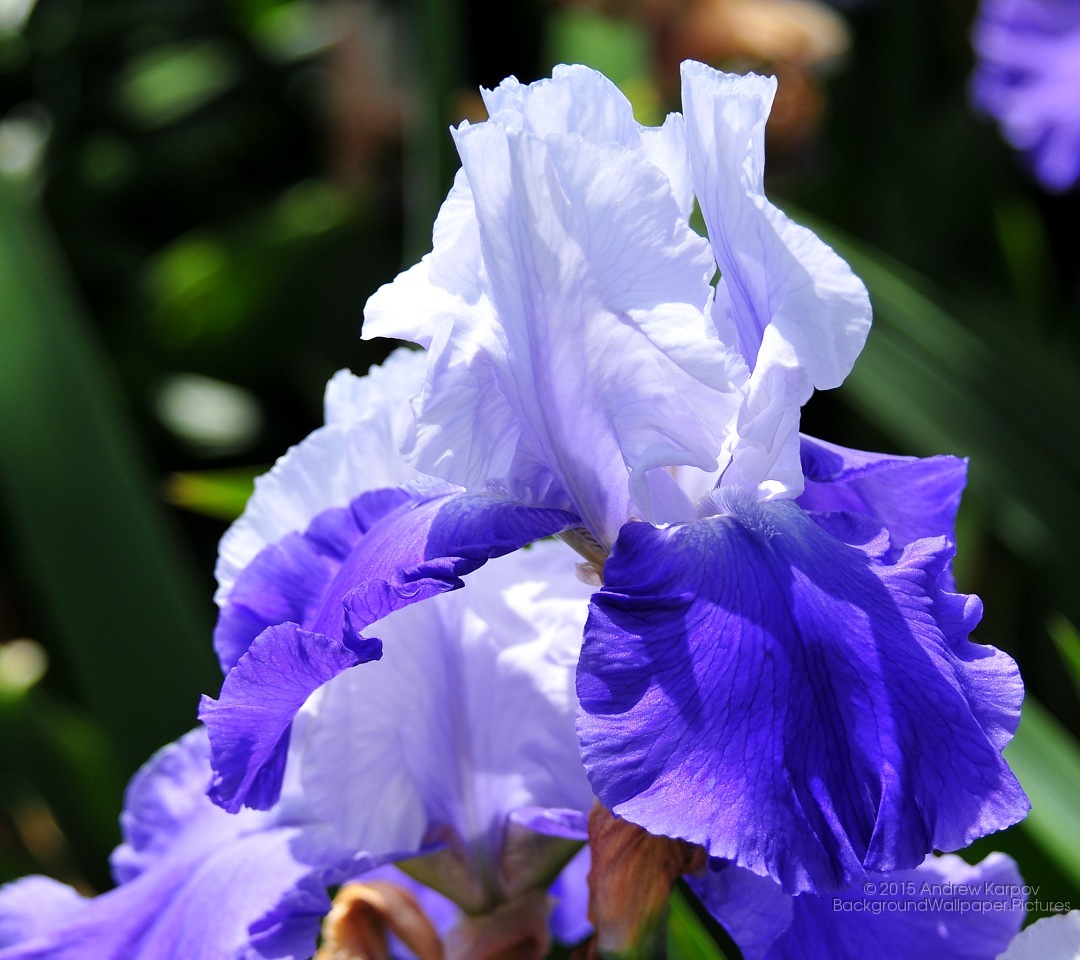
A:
[363, 914]
[630, 885]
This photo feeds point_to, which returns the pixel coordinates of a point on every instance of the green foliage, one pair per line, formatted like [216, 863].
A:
[688, 939]
[1046, 760]
[119, 604]
[215, 493]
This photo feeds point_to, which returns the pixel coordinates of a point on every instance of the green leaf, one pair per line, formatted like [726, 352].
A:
[687, 937]
[616, 46]
[116, 601]
[57, 756]
[169, 82]
[1067, 640]
[1046, 760]
[221, 494]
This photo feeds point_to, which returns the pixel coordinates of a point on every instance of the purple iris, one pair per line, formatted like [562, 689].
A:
[776, 667]
[196, 883]
[449, 749]
[1027, 76]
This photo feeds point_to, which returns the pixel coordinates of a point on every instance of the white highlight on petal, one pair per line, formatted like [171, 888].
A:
[468, 716]
[358, 450]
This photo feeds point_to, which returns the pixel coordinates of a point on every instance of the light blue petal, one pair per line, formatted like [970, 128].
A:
[199, 883]
[465, 726]
[787, 296]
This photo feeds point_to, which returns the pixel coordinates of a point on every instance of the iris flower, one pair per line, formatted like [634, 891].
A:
[1027, 76]
[457, 753]
[776, 667]
[449, 750]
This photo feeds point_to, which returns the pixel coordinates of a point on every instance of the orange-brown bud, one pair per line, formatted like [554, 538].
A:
[630, 884]
[364, 914]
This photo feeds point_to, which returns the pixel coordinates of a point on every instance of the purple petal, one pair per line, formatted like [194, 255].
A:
[753, 909]
[249, 725]
[911, 497]
[424, 550]
[1026, 78]
[570, 915]
[571, 824]
[945, 909]
[210, 885]
[416, 551]
[792, 703]
[286, 581]
[33, 906]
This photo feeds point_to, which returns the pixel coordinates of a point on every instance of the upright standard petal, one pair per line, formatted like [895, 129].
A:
[581, 367]
[792, 702]
[788, 298]
[600, 287]
[195, 882]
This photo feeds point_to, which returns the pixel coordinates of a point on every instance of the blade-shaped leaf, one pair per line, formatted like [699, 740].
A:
[115, 600]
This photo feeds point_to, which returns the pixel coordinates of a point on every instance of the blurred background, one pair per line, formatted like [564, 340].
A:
[197, 197]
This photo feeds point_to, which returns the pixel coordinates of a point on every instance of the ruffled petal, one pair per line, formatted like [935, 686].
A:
[485, 678]
[601, 349]
[446, 286]
[791, 702]
[209, 886]
[249, 725]
[789, 298]
[911, 497]
[287, 580]
[585, 103]
[418, 550]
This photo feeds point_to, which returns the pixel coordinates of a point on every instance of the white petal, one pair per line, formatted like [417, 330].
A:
[775, 273]
[580, 101]
[468, 716]
[446, 285]
[763, 452]
[1051, 938]
[602, 349]
[576, 100]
